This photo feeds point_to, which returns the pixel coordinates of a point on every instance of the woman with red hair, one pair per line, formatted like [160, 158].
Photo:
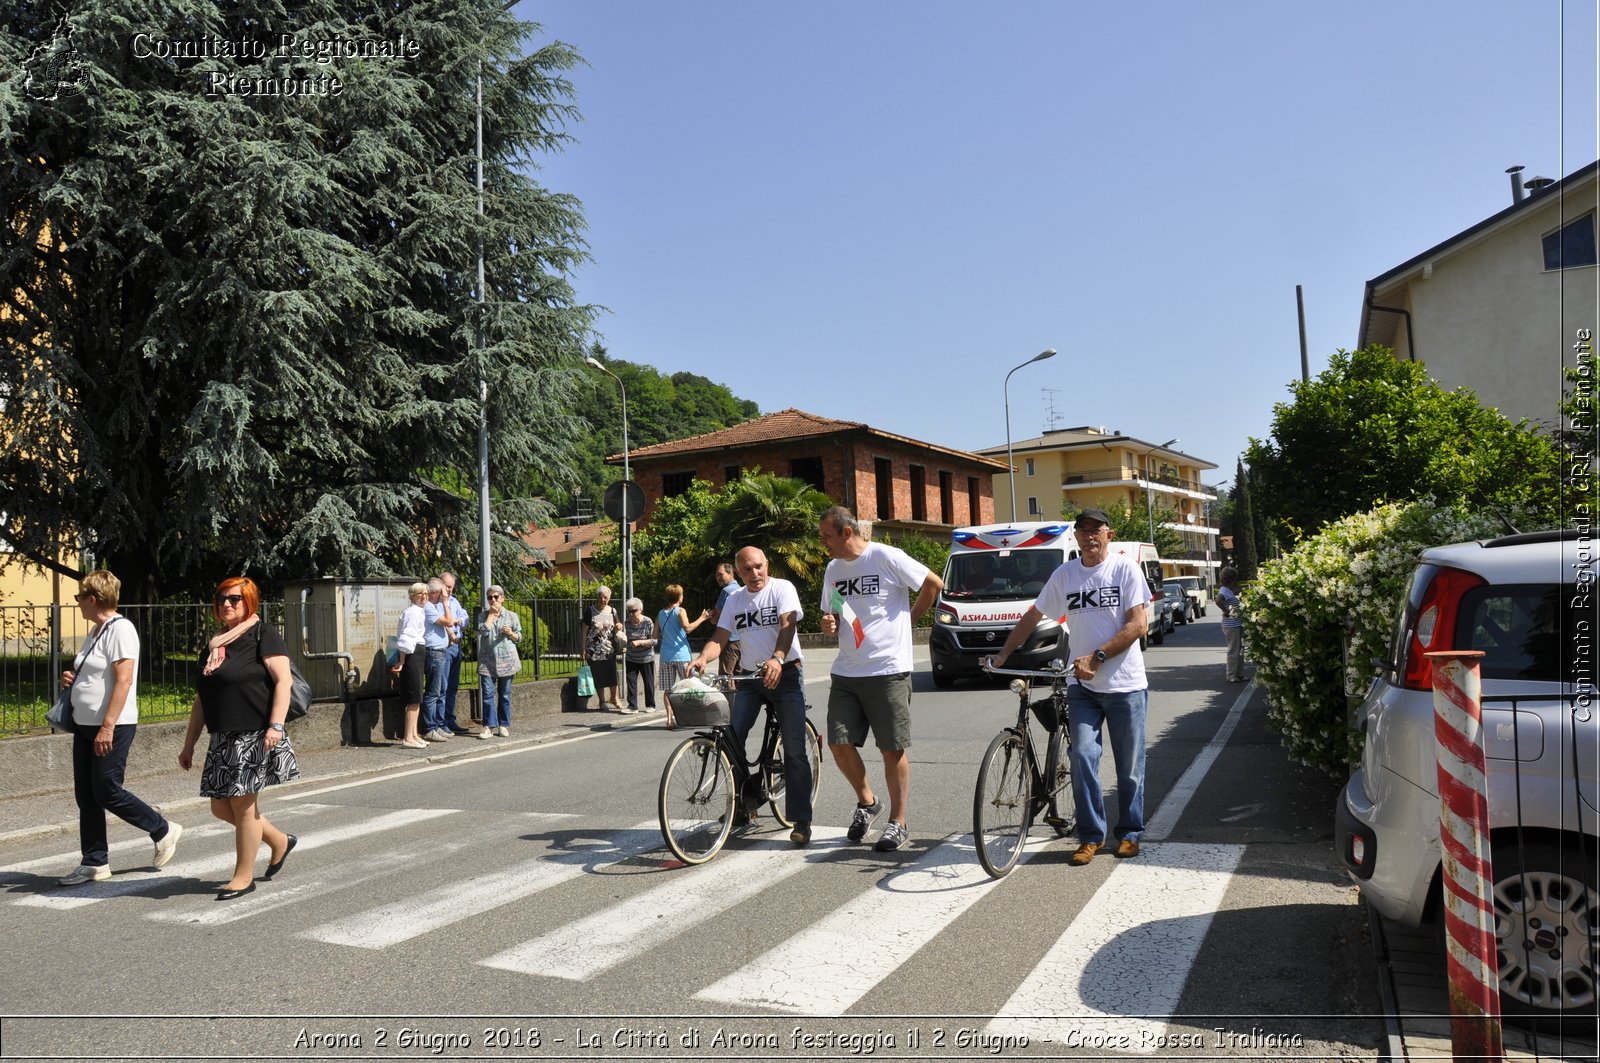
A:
[242, 699]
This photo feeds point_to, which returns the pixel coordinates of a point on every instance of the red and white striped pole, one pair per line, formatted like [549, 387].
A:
[1471, 957]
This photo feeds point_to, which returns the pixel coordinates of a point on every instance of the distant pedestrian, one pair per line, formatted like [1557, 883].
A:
[673, 628]
[639, 632]
[242, 699]
[408, 665]
[866, 601]
[602, 631]
[436, 626]
[499, 633]
[103, 686]
[453, 652]
[1232, 623]
[728, 663]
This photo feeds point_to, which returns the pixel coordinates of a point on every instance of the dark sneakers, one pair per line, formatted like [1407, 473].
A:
[862, 820]
[801, 835]
[894, 836]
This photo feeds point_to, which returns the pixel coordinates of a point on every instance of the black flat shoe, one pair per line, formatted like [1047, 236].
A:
[273, 869]
[228, 895]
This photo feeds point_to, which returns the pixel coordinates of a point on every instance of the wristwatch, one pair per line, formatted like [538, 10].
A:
[275, 727]
[1100, 655]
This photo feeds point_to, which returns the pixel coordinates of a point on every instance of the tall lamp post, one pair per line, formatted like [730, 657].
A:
[1011, 469]
[1149, 506]
[627, 475]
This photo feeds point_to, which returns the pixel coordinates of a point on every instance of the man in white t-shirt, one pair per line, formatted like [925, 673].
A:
[866, 594]
[1104, 598]
[763, 616]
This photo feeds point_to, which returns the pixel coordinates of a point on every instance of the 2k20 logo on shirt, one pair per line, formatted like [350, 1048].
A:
[1095, 598]
[767, 617]
[859, 586]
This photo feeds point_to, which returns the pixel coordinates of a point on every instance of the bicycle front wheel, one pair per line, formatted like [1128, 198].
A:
[776, 786]
[695, 800]
[1000, 806]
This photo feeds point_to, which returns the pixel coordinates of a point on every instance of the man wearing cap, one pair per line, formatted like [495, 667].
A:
[1104, 599]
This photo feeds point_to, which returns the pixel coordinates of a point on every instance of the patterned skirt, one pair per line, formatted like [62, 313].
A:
[670, 672]
[237, 763]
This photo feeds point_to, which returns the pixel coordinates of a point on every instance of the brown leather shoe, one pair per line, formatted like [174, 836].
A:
[1085, 853]
[1127, 847]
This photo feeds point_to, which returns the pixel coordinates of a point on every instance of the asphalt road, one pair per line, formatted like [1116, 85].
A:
[520, 904]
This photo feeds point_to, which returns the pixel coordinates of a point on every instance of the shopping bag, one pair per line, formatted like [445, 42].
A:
[585, 681]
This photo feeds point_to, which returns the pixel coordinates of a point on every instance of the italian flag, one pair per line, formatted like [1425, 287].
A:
[838, 605]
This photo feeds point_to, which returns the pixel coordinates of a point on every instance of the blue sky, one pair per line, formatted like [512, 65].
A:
[872, 211]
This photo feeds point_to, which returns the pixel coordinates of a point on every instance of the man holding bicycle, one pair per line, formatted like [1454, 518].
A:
[1104, 598]
[763, 616]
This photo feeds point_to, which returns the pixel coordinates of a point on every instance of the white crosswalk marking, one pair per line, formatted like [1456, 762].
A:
[1140, 961]
[826, 969]
[606, 939]
[220, 863]
[414, 916]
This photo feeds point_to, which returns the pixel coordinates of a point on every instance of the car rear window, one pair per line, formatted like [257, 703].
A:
[1527, 631]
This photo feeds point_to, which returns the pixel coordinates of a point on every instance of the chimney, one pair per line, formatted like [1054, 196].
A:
[1517, 191]
[1539, 184]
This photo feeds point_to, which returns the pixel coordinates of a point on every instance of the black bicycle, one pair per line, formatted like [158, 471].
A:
[698, 801]
[1013, 786]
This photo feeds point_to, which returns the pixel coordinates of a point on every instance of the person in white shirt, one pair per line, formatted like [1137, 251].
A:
[866, 601]
[763, 616]
[408, 664]
[1105, 599]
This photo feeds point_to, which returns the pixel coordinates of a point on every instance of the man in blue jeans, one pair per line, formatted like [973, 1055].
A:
[452, 679]
[764, 617]
[1105, 600]
[436, 662]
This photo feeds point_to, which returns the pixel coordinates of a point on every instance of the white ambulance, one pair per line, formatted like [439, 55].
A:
[994, 574]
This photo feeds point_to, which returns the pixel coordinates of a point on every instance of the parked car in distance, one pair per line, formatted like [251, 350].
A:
[1195, 588]
[1160, 617]
[1529, 604]
[1182, 606]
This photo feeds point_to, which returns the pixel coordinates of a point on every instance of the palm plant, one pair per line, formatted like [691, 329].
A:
[778, 515]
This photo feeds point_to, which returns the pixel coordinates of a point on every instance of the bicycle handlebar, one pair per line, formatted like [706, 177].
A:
[987, 664]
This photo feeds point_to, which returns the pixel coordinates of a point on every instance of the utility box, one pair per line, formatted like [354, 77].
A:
[340, 634]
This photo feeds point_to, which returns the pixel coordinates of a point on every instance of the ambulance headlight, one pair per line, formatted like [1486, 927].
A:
[946, 616]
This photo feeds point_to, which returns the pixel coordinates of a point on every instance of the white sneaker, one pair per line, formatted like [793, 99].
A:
[487, 732]
[168, 845]
[85, 873]
[503, 732]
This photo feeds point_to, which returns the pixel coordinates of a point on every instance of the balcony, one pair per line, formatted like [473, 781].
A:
[1125, 477]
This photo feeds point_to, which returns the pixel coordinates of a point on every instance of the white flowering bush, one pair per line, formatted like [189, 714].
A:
[1348, 578]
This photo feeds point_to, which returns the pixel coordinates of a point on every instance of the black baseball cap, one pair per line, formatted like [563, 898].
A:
[1092, 514]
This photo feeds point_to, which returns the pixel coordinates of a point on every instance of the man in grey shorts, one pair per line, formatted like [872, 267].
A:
[866, 595]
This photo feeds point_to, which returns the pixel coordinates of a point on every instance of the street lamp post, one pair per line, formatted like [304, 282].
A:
[1149, 506]
[627, 476]
[1011, 469]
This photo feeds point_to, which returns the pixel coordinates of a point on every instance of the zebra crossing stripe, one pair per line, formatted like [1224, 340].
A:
[595, 944]
[1140, 963]
[825, 969]
[410, 917]
[220, 863]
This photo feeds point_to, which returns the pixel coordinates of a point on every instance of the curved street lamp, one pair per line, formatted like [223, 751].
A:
[627, 475]
[1011, 469]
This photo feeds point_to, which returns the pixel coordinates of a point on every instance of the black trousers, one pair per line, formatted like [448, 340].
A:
[645, 670]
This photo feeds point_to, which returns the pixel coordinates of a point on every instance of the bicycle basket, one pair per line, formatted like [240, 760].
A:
[696, 705]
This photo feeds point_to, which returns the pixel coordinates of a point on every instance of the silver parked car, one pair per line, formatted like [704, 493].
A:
[1529, 602]
[1182, 604]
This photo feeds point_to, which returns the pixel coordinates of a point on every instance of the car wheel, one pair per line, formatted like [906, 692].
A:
[1547, 931]
[1158, 636]
[942, 681]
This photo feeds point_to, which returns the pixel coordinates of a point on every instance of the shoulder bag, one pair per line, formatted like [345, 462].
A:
[60, 715]
[299, 686]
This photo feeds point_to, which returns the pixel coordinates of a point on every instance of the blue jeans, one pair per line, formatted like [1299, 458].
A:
[97, 784]
[495, 699]
[1123, 717]
[788, 700]
[452, 683]
[435, 671]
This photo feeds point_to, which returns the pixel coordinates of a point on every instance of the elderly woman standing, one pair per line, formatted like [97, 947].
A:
[408, 667]
[640, 659]
[499, 632]
[673, 628]
[242, 699]
[601, 634]
[103, 685]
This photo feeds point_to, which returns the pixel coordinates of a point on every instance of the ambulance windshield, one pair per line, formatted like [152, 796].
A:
[999, 574]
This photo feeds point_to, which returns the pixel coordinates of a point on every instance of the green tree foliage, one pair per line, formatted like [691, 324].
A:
[777, 514]
[241, 330]
[1131, 523]
[1371, 429]
[1243, 529]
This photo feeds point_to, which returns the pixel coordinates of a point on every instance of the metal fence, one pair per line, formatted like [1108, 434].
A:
[38, 641]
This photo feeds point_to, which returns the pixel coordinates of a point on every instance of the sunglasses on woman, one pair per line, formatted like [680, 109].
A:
[230, 599]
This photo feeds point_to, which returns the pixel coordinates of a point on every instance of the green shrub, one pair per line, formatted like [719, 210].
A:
[1346, 579]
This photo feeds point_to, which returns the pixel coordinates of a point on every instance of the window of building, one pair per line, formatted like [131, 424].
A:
[1571, 245]
[947, 500]
[883, 474]
[730, 473]
[919, 493]
[809, 470]
[974, 503]
[1027, 467]
[674, 484]
[1033, 506]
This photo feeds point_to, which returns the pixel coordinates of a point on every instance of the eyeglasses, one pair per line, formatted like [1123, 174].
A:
[81, 595]
[496, 597]
[230, 599]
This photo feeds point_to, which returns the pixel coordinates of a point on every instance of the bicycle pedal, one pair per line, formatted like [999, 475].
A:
[1057, 821]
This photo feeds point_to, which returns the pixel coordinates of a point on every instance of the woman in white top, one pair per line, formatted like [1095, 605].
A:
[408, 667]
[103, 684]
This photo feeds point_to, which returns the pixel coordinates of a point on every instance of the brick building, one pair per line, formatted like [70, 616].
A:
[899, 484]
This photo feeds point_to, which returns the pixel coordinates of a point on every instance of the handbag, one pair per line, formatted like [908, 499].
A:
[299, 686]
[60, 715]
[585, 681]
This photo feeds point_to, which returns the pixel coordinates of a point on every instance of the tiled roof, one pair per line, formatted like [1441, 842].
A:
[781, 427]
[555, 540]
